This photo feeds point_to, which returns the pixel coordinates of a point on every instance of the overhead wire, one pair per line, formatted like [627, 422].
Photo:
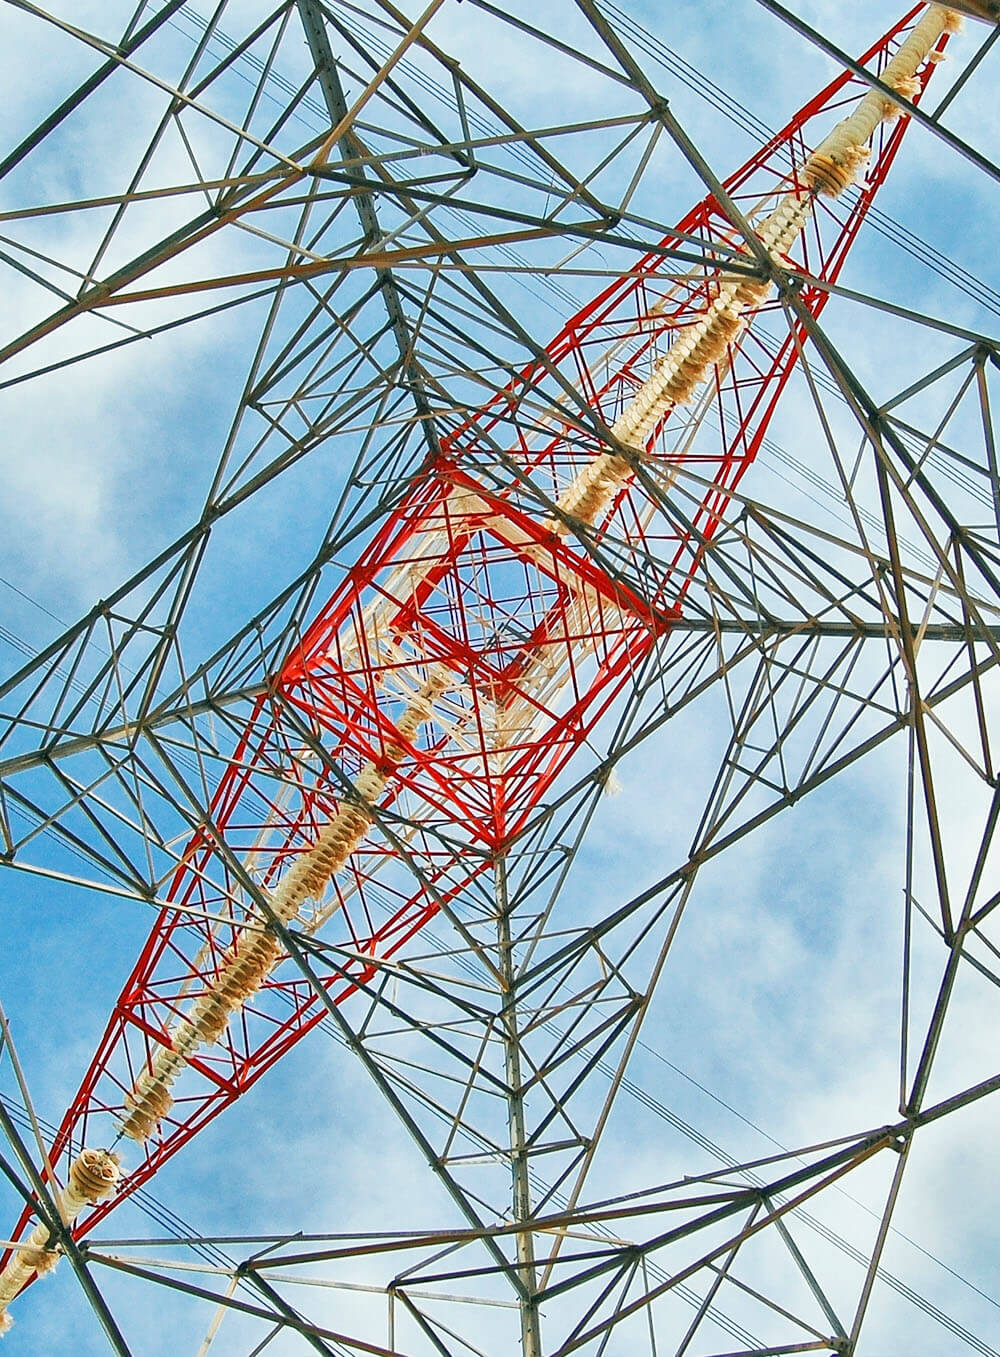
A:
[636, 1091]
[907, 240]
[157, 1211]
[741, 116]
[677, 67]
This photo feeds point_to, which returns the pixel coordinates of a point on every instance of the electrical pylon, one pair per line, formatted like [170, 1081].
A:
[361, 812]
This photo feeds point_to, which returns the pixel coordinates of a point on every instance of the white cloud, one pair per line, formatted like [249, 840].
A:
[783, 989]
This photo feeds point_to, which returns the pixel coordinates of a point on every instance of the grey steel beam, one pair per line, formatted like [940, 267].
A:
[953, 142]
[48, 1213]
[311, 13]
[93, 82]
[760, 630]
[521, 1205]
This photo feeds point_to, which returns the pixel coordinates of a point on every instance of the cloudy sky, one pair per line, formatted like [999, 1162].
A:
[776, 1021]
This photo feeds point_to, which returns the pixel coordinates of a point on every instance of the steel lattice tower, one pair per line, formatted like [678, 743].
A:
[351, 761]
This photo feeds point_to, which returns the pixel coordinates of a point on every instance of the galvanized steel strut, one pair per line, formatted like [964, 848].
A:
[472, 648]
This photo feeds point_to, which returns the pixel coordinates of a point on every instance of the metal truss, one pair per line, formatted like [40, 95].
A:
[699, 540]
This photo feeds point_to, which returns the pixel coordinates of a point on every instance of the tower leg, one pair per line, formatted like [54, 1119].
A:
[531, 1341]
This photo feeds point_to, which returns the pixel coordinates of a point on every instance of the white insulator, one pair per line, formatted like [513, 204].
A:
[839, 157]
[250, 959]
[909, 87]
[93, 1175]
[676, 376]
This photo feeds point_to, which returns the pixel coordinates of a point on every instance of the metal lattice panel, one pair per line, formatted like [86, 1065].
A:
[350, 738]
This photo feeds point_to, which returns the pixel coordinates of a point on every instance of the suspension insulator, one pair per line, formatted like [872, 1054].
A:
[836, 162]
[704, 327]
[678, 375]
[93, 1175]
[251, 958]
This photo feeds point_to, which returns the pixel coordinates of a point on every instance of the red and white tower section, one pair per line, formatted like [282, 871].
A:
[474, 645]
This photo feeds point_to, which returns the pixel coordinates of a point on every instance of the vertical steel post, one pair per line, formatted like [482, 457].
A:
[531, 1340]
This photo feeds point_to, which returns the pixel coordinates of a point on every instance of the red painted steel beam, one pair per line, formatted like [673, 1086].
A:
[493, 594]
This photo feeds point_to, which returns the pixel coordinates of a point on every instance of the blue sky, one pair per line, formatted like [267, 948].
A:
[781, 996]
